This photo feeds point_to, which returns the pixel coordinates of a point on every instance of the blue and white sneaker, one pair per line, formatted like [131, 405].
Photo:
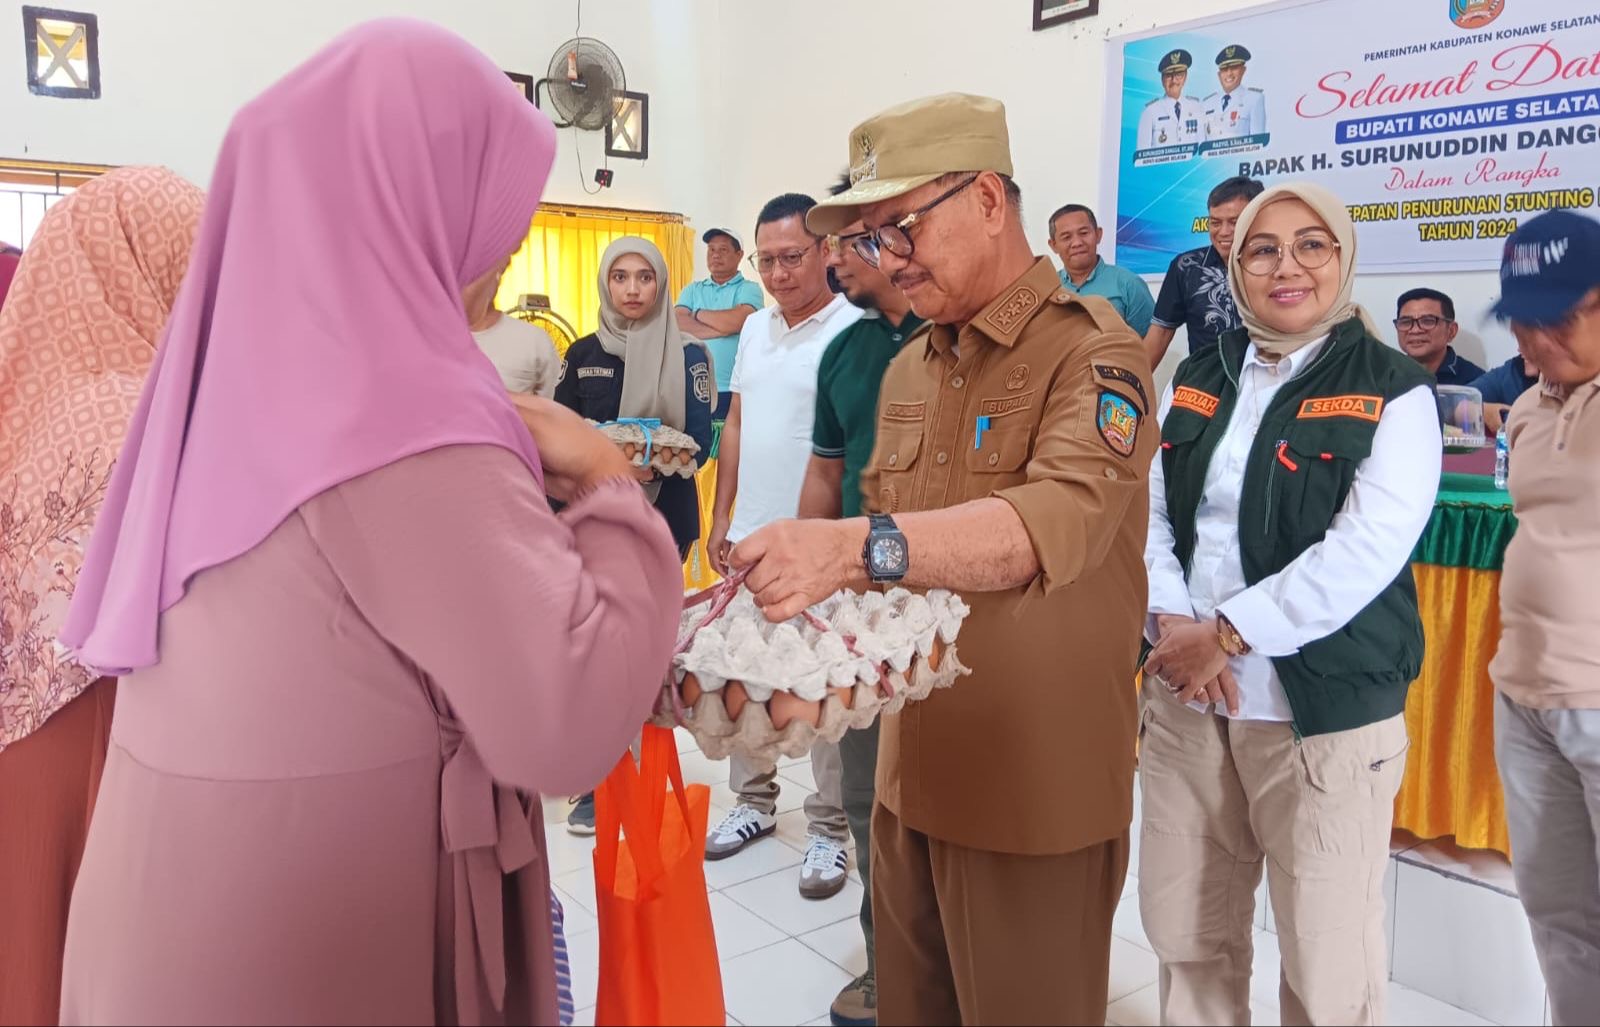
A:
[743, 825]
[822, 874]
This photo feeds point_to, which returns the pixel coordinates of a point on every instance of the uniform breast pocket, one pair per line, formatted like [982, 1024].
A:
[899, 445]
[999, 458]
[1317, 465]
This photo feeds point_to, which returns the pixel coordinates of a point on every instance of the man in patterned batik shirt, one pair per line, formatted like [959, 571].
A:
[1195, 293]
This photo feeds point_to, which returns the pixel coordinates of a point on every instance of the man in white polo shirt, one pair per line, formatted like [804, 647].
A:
[766, 444]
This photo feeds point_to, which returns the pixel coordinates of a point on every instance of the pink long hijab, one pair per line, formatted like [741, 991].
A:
[320, 332]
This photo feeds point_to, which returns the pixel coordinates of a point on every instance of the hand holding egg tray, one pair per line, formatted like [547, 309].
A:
[742, 684]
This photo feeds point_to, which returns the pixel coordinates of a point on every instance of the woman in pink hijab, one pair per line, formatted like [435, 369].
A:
[78, 332]
[354, 638]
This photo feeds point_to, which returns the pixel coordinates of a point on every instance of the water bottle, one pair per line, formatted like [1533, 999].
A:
[1502, 458]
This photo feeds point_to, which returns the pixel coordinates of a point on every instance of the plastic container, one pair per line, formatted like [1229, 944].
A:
[1461, 418]
[1502, 459]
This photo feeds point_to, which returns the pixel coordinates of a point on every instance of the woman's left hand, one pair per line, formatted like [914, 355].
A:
[1190, 657]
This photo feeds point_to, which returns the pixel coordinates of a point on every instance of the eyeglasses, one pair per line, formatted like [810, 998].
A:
[1427, 322]
[837, 243]
[1310, 252]
[896, 238]
[763, 263]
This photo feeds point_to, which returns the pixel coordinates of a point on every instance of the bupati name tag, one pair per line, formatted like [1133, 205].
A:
[1187, 398]
[1006, 404]
[1364, 408]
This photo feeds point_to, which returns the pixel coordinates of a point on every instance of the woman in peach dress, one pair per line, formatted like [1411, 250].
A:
[78, 332]
[355, 642]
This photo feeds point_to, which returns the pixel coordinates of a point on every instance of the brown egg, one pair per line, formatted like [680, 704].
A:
[784, 708]
[629, 450]
[846, 695]
[734, 699]
[690, 690]
[936, 653]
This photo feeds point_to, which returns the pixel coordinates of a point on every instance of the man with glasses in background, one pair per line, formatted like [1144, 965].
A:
[1013, 442]
[766, 442]
[1425, 322]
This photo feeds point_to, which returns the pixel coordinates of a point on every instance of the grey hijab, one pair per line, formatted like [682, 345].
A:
[651, 348]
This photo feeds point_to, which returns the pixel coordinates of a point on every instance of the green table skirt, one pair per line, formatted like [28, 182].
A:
[1471, 526]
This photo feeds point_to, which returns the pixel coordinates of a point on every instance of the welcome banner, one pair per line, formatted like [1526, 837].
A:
[1441, 123]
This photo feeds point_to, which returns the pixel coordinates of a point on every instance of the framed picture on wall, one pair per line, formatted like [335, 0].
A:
[524, 83]
[1055, 12]
[628, 131]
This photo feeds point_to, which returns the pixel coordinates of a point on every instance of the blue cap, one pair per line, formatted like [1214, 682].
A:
[1549, 266]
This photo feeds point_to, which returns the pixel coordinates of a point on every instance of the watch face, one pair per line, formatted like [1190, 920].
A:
[888, 555]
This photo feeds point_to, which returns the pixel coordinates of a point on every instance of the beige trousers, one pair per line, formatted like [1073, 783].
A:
[1220, 797]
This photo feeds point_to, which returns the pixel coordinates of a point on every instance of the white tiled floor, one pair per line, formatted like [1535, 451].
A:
[784, 958]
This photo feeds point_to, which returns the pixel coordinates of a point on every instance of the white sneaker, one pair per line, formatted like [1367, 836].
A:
[743, 825]
[822, 875]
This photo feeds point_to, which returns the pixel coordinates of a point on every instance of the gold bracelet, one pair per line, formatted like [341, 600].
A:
[1229, 639]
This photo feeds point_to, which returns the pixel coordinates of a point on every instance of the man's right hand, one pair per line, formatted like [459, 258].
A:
[717, 545]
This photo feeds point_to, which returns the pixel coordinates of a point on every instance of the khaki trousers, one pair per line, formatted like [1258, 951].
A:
[974, 937]
[757, 785]
[1220, 797]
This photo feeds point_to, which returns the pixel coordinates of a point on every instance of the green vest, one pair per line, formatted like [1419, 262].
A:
[1313, 436]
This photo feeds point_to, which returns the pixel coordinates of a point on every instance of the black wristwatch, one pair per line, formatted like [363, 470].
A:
[885, 553]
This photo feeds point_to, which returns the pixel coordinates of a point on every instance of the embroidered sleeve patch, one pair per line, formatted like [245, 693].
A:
[1193, 399]
[1364, 408]
[702, 383]
[1118, 421]
[1126, 377]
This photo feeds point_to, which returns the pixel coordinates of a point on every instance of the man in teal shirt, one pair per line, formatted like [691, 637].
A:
[1075, 237]
[713, 309]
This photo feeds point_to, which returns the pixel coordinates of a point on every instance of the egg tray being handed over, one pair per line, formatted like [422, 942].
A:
[648, 442]
[742, 684]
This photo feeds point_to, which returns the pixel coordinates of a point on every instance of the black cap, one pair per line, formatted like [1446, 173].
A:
[1177, 60]
[1232, 54]
[1549, 266]
[712, 233]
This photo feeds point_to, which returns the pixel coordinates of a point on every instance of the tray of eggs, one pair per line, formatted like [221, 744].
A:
[664, 448]
[741, 683]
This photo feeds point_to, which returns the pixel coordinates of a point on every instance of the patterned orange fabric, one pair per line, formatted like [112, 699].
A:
[77, 334]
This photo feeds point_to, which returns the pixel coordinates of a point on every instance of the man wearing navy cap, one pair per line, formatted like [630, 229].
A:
[1547, 715]
[1173, 119]
[1234, 111]
[714, 309]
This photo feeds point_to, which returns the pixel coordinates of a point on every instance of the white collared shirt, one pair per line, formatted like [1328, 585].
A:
[1370, 540]
[775, 377]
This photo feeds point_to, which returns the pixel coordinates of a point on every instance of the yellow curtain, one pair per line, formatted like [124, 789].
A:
[1452, 786]
[561, 257]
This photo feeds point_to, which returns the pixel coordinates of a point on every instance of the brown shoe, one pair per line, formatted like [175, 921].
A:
[857, 1004]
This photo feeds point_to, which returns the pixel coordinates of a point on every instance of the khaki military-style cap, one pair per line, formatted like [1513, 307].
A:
[906, 147]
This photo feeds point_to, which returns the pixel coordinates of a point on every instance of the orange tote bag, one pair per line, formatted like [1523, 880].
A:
[658, 952]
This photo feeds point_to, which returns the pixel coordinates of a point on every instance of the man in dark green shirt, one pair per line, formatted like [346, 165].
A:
[841, 444]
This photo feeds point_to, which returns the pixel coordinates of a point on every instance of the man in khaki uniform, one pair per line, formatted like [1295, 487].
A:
[1014, 438]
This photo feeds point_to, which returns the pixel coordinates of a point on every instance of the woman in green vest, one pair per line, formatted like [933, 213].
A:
[1299, 463]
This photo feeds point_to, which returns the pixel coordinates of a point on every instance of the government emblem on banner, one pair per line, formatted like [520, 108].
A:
[1475, 14]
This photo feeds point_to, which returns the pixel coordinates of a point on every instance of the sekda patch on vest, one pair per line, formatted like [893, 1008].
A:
[1362, 408]
[1187, 398]
[702, 383]
[1118, 422]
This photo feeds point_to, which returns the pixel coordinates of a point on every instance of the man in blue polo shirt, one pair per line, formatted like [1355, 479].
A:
[1075, 237]
[714, 308]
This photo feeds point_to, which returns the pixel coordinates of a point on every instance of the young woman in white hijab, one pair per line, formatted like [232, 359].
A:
[638, 365]
[1298, 466]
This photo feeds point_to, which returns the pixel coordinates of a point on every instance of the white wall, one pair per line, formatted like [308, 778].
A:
[174, 71]
[748, 99]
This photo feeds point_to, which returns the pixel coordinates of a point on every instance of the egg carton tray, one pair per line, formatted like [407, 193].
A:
[741, 684]
[662, 447]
